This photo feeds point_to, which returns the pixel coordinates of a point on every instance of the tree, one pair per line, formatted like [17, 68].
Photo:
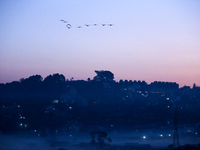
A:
[32, 80]
[101, 137]
[104, 76]
[54, 79]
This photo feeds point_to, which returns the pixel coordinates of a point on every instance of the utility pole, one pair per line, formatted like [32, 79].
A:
[175, 138]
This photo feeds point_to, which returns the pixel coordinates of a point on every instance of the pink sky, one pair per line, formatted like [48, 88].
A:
[150, 40]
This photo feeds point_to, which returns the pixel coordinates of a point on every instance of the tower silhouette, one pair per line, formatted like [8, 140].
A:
[175, 138]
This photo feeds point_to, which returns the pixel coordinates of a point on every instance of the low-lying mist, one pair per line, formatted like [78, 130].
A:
[80, 141]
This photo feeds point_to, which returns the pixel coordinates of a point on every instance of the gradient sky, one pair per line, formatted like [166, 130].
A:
[150, 40]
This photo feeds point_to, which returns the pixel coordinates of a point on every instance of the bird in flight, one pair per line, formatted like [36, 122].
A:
[63, 21]
[68, 26]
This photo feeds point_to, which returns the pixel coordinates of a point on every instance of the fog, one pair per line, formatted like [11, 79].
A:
[31, 140]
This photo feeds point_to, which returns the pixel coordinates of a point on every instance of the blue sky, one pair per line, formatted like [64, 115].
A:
[149, 40]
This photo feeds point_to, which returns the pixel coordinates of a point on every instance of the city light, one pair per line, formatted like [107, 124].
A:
[55, 101]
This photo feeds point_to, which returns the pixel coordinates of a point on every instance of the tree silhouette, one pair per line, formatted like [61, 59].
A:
[100, 137]
[32, 81]
[104, 76]
[54, 79]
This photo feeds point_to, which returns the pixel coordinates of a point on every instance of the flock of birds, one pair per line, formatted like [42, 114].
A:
[69, 26]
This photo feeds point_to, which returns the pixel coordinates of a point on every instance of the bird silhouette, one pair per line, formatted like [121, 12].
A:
[79, 26]
[63, 21]
[68, 26]
[103, 24]
[110, 24]
[95, 24]
[87, 25]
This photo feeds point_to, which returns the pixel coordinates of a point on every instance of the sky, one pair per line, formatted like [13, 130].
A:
[149, 40]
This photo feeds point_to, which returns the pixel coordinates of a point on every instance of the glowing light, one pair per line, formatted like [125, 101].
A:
[21, 124]
[18, 106]
[111, 125]
[144, 137]
[35, 130]
[167, 98]
[70, 107]
[55, 101]
[161, 135]
[169, 135]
